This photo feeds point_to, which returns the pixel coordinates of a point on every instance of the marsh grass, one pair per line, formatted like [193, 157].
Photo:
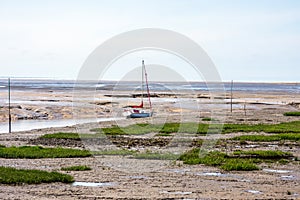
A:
[10, 175]
[208, 119]
[76, 168]
[239, 160]
[148, 155]
[167, 128]
[188, 128]
[283, 161]
[164, 135]
[269, 138]
[287, 127]
[156, 156]
[239, 165]
[62, 135]
[135, 129]
[264, 154]
[195, 156]
[73, 136]
[292, 114]
[33, 152]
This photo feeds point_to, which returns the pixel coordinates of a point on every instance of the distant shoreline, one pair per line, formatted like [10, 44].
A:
[160, 81]
[52, 85]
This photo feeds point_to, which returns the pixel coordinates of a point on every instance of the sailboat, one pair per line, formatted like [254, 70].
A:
[137, 110]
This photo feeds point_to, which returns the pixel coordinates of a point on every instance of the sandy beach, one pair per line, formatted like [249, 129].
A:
[126, 178]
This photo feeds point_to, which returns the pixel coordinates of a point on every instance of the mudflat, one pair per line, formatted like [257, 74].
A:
[126, 177]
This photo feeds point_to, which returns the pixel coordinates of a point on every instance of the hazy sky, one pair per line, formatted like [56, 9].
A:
[247, 40]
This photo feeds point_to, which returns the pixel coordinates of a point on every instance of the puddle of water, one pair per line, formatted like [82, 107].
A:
[212, 174]
[180, 171]
[287, 178]
[277, 171]
[92, 184]
[138, 177]
[177, 192]
[49, 102]
[254, 191]
[252, 146]
[218, 174]
[273, 145]
[246, 180]
[26, 125]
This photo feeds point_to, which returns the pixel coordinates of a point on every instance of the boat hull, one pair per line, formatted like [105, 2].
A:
[140, 115]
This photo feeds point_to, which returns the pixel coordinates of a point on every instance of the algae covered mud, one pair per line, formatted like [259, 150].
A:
[254, 156]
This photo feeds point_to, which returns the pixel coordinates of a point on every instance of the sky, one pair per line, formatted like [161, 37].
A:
[254, 40]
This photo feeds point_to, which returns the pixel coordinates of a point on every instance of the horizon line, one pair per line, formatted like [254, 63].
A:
[112, 80]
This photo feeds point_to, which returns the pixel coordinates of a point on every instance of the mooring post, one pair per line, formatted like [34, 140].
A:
[245, 108]
[231, 95]
[9, 115]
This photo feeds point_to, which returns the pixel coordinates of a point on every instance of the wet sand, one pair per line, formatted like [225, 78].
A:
[130, 178]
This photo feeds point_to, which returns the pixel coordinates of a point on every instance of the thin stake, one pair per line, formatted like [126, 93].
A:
[231, 96]
[245, 109]
[9, 115]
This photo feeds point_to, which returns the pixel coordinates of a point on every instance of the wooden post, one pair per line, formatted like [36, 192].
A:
[245, 108]
[9, 115]
[231, 95]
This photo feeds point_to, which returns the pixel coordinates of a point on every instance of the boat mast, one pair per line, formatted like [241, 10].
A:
[142, 83]
[148, 91]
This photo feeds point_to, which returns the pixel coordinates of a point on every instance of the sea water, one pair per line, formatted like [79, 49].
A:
[32, 84]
